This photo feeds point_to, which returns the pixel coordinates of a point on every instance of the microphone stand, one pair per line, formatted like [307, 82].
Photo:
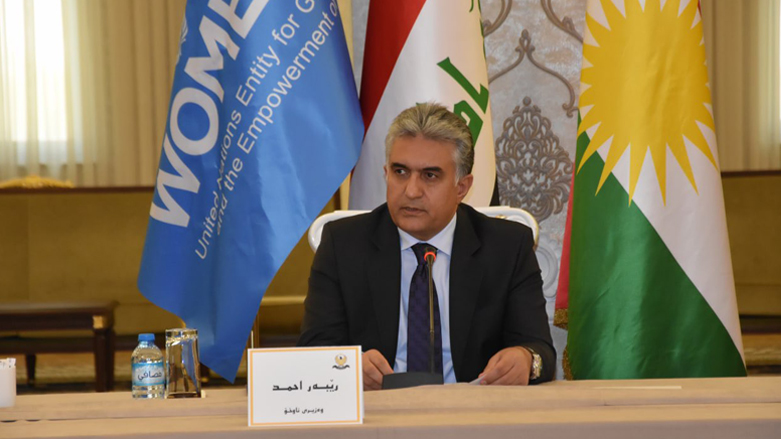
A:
[413, 379]
[430, 257]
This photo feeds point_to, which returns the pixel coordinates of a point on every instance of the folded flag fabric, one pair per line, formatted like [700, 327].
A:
[647, 280]
[264, 125]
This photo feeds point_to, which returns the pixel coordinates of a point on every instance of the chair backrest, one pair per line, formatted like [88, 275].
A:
[504, 212]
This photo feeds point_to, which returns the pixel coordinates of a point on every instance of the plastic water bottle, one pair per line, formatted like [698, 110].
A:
[148, 371]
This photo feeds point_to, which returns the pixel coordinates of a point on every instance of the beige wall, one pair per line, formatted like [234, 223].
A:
[753, 204]
[60, 246]
[57, 246]
[77, 246]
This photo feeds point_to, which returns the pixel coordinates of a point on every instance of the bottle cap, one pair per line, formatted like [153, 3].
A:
[146, 337]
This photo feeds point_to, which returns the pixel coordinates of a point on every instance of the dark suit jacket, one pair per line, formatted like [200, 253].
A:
[496, 296]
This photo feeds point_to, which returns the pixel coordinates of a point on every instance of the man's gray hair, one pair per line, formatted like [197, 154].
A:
[435, 122]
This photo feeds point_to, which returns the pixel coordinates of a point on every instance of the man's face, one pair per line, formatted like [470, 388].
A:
[422, 191]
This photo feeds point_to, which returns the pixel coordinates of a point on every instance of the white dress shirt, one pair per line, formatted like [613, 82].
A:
[443, 241]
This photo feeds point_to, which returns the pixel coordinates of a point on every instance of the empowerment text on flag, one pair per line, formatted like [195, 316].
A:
[264, 125]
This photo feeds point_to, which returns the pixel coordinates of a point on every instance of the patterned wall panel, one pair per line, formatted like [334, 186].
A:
[534, 53]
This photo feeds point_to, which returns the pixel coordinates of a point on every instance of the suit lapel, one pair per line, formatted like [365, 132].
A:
[465, 278]
[384, 271]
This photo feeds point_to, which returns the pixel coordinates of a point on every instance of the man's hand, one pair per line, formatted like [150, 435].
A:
[375, 366]
[510, 366]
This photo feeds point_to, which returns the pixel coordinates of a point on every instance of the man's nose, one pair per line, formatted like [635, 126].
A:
[414, 188]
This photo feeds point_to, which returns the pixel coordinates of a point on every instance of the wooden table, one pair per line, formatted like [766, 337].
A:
[682, 408]
[96, 316]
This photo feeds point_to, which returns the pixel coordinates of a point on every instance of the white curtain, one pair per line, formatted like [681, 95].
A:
[31, 129]
[743, 42]
[84, 97]
[84, 88]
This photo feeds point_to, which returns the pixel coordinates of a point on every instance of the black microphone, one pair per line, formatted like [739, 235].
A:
[430, 256]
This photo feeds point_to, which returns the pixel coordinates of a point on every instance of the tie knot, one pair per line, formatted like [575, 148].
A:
[420, 251]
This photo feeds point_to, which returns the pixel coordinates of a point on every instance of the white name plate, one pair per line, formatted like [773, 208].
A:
[305, 386]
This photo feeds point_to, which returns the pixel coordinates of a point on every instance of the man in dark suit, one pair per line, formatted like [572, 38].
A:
[367, 281]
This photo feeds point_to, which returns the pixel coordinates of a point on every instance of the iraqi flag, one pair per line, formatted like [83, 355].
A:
[647, 276]
[419, 51]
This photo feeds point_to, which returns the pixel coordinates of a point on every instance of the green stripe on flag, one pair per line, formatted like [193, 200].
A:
[633, 311]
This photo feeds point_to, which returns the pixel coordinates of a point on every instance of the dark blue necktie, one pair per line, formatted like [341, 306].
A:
[418, 318]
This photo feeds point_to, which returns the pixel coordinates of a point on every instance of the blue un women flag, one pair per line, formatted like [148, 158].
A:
[264, 124]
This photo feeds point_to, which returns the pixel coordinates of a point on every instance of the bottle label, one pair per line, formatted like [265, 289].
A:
[148, 374]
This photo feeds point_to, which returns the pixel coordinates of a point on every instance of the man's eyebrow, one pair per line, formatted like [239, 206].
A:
[426, 169]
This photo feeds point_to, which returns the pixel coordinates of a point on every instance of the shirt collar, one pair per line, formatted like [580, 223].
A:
[443, 240]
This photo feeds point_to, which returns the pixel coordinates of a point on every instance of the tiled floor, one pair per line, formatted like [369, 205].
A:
[76, 373]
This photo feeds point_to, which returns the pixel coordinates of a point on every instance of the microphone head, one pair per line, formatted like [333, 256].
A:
[430, 255]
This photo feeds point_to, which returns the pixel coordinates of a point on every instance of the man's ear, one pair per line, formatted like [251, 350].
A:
[385, 171]
[463, 186]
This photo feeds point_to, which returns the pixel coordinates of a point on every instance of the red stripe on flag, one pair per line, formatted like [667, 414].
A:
[389, 25]
[562, 291]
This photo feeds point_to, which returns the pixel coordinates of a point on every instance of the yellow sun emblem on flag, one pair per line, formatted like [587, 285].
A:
[644, 86]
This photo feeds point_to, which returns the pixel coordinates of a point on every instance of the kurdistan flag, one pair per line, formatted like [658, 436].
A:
[650, 285]
[418, 51]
